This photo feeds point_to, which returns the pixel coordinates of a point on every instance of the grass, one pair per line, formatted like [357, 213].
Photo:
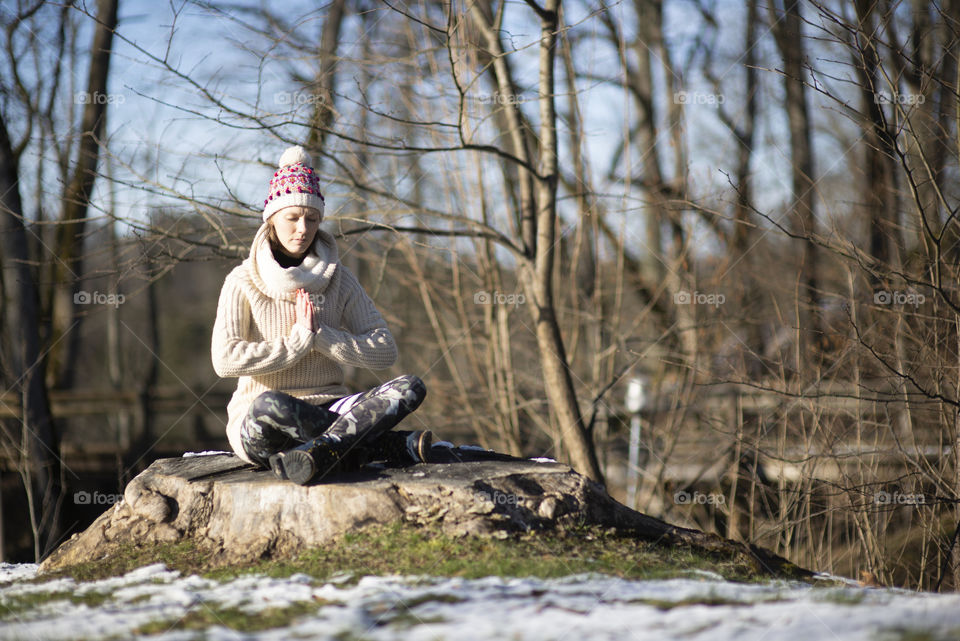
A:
[13, 607]
[401, 549]
[398, 549]
[409, 550]
[842, 597]
[181, 556]
[905, 634]
[206, 616]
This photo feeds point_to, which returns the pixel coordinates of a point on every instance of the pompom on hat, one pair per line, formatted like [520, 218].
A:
[294, 183]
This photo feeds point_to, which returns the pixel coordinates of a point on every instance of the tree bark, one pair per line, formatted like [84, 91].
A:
[879, 190]
[538, 202]
[68, 270]
[742, 241]
[21, 308]
[669, 265]
[513, 120]
[787, 30]
[323, 109]
[556, 368]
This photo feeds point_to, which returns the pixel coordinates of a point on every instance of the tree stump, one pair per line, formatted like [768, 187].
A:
[239, 514]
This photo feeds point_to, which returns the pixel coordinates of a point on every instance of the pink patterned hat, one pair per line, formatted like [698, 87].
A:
[294, 183]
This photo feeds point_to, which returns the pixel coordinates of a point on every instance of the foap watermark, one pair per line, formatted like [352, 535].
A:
[684, 297]
[98, 298]
[497, 298]
[97, 98]
[697, 98]
[683, 497]
[884, 297]
[499, 498]
[886, 98]
[95, 498]
[501, 99]
[898, 498]
[297, 98]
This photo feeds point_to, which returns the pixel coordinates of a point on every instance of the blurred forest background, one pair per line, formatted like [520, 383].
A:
[748, 209]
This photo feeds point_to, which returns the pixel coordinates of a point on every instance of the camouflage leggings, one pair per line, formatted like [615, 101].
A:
[277, 422]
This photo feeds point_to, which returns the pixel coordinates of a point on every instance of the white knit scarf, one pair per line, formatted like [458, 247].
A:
[313, 274]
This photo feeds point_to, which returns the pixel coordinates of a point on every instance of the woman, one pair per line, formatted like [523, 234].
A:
[288, 318]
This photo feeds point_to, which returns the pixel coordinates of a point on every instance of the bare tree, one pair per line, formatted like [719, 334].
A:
[538, 181]
[70, 233]
[786, 25]
[37, 112]
[879, 190]
[38, 435]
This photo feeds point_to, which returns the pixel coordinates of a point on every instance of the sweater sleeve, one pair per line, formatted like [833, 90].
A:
[364, 340]
[234, 355]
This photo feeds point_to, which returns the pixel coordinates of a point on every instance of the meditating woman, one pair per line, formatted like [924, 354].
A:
[289, 317]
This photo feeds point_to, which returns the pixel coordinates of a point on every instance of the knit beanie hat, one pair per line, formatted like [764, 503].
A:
[294, 183]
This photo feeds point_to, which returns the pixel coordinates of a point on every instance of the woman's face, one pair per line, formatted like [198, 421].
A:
[296, 228]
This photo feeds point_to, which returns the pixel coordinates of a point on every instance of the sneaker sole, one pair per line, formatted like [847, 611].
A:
[297, 466]
[423, 446]
[276, 465]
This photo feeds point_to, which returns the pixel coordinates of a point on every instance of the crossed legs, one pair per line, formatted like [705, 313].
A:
[278, 423]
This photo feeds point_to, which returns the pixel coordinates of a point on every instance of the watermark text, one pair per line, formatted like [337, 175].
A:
[498, 298]
[97, 98]
[95, 498]
[697, 98]
[898, 498]
[886, 98]
[98, 298]
[698, 498]
[684, 297]
[884, 297]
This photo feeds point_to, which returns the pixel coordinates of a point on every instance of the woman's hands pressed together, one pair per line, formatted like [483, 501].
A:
[304, 308]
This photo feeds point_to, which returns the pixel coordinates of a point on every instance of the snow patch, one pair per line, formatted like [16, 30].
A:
[17, 571]
[697, 607]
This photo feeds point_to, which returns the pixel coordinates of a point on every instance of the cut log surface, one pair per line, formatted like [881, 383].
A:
[239, 514]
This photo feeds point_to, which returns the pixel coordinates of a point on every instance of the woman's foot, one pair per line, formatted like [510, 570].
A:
[401, 447]
[314, 459]
[419, 444]
[296, 465]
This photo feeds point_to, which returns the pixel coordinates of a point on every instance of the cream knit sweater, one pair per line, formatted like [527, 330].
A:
[256, 336]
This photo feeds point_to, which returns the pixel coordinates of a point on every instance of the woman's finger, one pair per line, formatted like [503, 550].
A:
[304, 309]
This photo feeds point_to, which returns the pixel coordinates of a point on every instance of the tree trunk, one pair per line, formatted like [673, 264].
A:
[68, 270]
[742, 241]
[787, 30]
[879, 192]
[323, 94]
[538, 219]
[21, 307]
[669, 266]
[556, 369]
[512, 120]
[144, 415]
